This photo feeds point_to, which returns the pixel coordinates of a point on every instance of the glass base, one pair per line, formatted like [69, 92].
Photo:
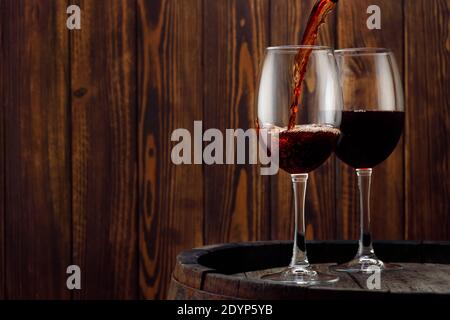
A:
[366, 264]
[304, 276]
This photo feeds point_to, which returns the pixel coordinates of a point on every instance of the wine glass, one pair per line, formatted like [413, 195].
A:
[309, 143]
[372, 123]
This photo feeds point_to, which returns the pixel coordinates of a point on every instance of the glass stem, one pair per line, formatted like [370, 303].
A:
[365, 240]
[299, 258]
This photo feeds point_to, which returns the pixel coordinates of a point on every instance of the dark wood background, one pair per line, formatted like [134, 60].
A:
[86, 118]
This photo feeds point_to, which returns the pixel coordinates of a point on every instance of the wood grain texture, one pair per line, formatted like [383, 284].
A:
[427, 37]
[416, 278]
[387, 199]
[86, 117]
[288, 19]
[234, 271]
[104, 152]
[34, 94]
[235, 196]
[170, 97]
[3, 107]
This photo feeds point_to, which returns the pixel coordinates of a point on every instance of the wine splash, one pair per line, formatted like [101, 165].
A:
[316, 18]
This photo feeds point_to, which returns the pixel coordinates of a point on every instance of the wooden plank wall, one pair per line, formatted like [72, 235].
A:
[235, 34]
[104, 149]
[3, 90]
[427, 148]
[87, 116]
[37, 226]
[170, 96]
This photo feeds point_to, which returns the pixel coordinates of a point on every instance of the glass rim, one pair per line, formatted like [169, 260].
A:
[362, 51]
[295, 47]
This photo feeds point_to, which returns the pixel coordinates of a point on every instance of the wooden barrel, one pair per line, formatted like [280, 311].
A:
[233, 271]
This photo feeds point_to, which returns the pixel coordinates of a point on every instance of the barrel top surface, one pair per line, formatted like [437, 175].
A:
[234, 270]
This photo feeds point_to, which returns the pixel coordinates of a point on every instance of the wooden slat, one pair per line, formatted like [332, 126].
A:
[387, 200]
[179, 291]
[188, 271]
[2, 192]
[288, 20]
[235, 35]
[34, 58]
[427, 162]
[3, 88]
[103, 59]
[170, 97]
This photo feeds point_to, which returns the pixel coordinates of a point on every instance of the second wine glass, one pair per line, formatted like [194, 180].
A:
[372, 123]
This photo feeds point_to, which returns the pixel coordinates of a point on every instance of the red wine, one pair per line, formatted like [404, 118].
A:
[316, 18]
[305, 147]
[368, 137]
